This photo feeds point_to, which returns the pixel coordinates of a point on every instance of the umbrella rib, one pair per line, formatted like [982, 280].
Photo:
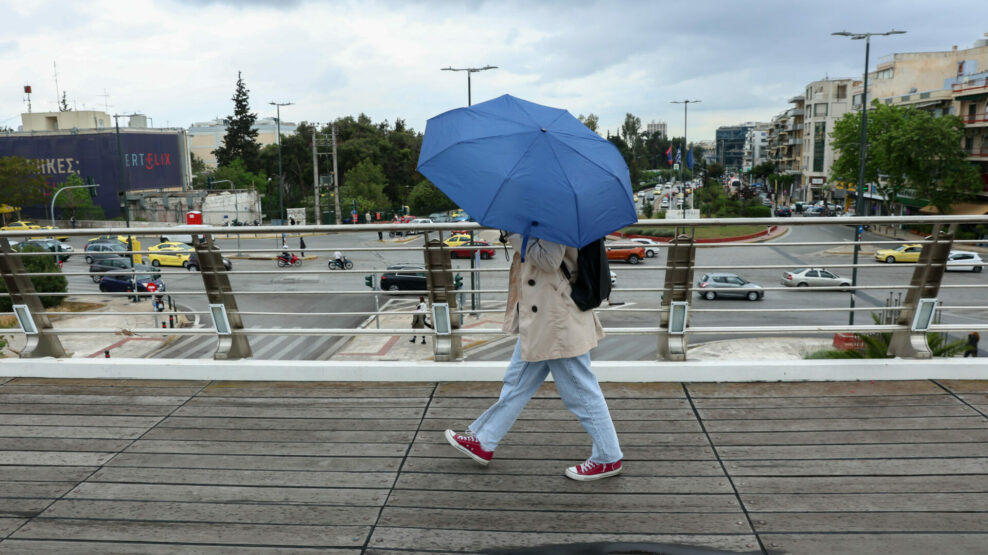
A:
[507, 176]
[468, 141]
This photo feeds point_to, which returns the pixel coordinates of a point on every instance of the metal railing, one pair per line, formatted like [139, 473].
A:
[661, 288]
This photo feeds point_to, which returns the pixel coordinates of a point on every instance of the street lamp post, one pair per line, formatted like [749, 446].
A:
[859, 187]
[122, 193]
[686, 105]
[473, 257]
[281, 175]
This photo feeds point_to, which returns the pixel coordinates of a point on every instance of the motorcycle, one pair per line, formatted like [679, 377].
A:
[337, 265]
[289, 259]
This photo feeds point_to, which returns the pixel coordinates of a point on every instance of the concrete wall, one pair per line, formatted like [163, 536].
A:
[221, 207]
[52, 121]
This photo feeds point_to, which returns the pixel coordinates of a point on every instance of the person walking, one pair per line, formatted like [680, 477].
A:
[972, 344]
[418, 319]
[301, 245]
[72, 221]
[555, 337]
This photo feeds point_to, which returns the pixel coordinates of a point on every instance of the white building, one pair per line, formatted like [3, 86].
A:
[207, 136]
[658, 127]
[756, 144]
[826, 102]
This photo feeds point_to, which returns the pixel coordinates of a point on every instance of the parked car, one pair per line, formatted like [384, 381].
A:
[728, 285]
[117, 263]
[964, 261]
[631, 255]
[48, 227]
[124, 284]
[457, 240]
[19, 226]
[99, 250]
[404, 277]
[51, 245]
[813, 277]
[905, 253]
[651, 251]
[135, 244]
[418, 221]
[192, 264]
[783, 212]
[463, 252]
[171, 253]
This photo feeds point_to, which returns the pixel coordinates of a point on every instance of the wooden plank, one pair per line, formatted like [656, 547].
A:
[481, 403]
[297, 412]
[31, 547]
[90, 399]
[643, 390]
[111, 389]
[572, 452]
[71, 432]
[45, 473]
[190, 532]
[8, 525]
[564, 414]
[525, 492]
[954, 423]
[317, 389]
[437, 425]
[581, 438]
[316, 449]
[423, 539]
[589, 522]
[812, 389]
[79, 420]
[555, 467]
[965, 386]
[61, 444]
[321, 402]
[974, 398]
[869, 467]
[23, 507]
[270, 462]
[229, 494]
[913, 411]
[340, 436]
[101, 409]
[54, 458]
[850, 437]
[885, 451]
[305, 515]
[327, 424]
[5, 379]
[829, 401]
[35, 489]
[910, 502]
[112, 382]
[230, 477]
[874, 544]
[912, 522]
[862, 484]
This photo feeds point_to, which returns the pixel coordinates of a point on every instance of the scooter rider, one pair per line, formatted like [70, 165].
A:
[339, 258]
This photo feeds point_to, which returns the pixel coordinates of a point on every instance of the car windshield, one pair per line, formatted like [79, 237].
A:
[143, 277]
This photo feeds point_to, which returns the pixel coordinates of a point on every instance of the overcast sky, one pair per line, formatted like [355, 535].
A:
[177, 60]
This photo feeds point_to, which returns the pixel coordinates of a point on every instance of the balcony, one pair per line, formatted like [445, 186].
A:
[970, 88]
[977, 154]
[977, 119]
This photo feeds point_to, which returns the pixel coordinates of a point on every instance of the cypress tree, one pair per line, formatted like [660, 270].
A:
[240, 140]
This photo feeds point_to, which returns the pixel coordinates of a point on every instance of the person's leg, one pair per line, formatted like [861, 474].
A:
[581, 394]
[521, 381]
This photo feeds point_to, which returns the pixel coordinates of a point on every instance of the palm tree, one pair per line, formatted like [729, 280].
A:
[877, 346]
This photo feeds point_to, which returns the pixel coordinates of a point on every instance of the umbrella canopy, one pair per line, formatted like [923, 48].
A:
[530, 169]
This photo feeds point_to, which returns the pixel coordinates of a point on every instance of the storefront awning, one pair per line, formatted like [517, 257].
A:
[960, 209]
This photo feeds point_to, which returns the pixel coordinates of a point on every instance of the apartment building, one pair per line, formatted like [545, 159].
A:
[730, 145]
[756, 145]
[785, 145]
[207, 136]
[658, 127]
[826, 101]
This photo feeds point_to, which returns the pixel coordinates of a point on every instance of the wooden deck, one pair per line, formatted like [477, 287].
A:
[221, 467]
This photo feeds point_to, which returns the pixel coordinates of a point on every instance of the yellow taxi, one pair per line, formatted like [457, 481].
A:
[170, 253]
[457, 240]
[59, 237]
[19, 226]
[905, 253]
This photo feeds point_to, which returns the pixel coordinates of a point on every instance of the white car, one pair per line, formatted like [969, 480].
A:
[613, 279]
[650, 250]
[964, 261]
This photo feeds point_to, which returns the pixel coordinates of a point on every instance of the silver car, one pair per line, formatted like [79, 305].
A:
[723, 285]
[966, 261]
[651, 247]
[813, 277]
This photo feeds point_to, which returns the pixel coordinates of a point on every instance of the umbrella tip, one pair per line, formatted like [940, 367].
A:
[543, 130]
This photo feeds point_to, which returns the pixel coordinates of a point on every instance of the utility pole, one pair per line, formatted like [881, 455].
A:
[315, 178]
[336, 180]
[281, 174]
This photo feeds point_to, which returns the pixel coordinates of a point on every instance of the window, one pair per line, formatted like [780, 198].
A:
[819, 143]
[856, 100]
[812, 273]
[960, 68]
[819, 109]
[826, 274]
[841, 92]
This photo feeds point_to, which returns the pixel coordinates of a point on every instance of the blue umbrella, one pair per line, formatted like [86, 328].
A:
[530, 169]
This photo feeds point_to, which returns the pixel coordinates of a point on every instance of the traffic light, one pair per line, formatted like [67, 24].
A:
[369, 281]
[457, 281]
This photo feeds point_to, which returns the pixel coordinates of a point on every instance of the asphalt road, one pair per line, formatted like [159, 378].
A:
[370, 255]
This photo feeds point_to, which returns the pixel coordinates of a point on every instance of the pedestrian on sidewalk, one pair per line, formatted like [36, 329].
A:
[72, 221]
[418, 319]
[972, 344]
[301, 245]
[555, 336]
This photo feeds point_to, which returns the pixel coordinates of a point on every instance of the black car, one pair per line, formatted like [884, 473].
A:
[113, 263]
[783, 211]
[193, 262]
[121, 284]
[404, 277]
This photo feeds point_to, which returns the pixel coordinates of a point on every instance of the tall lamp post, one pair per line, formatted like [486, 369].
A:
[686, 105]
[122, 192]
[859, 186]
[281, 175]
[473, 257]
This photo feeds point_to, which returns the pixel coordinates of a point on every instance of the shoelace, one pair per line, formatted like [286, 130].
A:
[469, 438]
[588, 466]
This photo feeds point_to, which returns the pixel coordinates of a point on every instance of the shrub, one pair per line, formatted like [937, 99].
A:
[42, 284]
[758, 212]
[649, 231]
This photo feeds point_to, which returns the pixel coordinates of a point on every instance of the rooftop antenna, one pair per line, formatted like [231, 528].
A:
[106, 100]
[27, 97]
[58, 95]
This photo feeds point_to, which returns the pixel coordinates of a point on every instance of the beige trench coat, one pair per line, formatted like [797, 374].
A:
[540, 308]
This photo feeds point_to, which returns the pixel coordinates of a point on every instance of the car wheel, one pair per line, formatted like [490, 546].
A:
[101, 288]
[977, 269]
[485, 256]
[633, 259]
[89, 260]
[96, 279]
[191, 267]
[452, 254]
[155, 263]
[394, 287]
[753, 295]
[709, 295]
[845, 287]
[889, 259]
[802, 284]
[650, 254]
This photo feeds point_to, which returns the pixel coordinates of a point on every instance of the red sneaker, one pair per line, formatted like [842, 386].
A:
[470, 446]
[593, 471]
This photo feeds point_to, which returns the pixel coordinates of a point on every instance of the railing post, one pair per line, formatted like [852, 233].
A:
[219, 291]
[925, 284]
[439, 277]
[679, 277]
[21, 289]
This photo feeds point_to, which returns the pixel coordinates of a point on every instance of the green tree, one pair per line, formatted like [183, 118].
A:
[240, 140]
[763, 170]
[20, 182]
[365, 184]
[590, 120]
[198, 171]
[426, 198]
[78, 203]
[42, 284]
[715, 170]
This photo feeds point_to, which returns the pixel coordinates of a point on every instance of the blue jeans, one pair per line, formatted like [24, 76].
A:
[578, 388]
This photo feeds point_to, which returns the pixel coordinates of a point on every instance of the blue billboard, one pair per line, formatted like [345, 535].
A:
[148, 160]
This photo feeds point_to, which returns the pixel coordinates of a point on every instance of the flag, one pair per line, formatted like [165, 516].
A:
[679, 155]
[689, 158]
[669, 155]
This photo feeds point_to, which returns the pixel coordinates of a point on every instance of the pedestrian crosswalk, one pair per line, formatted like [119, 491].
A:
[271, 347]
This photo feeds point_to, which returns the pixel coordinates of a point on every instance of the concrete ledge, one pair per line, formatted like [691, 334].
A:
[399, 371]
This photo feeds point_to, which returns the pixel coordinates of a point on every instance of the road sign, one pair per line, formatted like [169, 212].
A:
[152, 287]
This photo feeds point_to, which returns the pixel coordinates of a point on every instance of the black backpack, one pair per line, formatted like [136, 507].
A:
[593, 278]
